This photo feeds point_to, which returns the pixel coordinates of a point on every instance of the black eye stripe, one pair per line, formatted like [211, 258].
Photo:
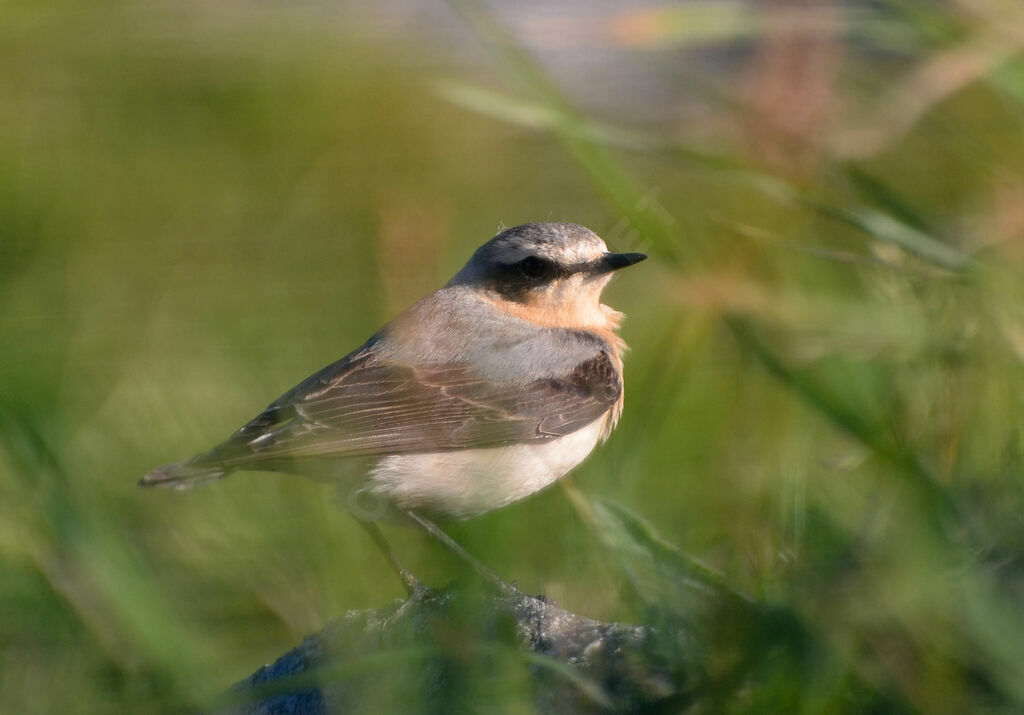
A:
[516, 280]
[534, 268]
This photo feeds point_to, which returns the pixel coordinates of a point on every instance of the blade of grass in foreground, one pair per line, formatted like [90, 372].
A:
[747, 639]
[98, 575]
[646, 557]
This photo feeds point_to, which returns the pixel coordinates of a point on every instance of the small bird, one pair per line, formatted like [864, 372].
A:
[478, 395]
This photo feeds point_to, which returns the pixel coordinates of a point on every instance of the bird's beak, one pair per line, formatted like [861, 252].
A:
[614, 261]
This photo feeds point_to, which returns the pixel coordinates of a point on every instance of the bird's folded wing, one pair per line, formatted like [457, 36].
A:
[362, 405]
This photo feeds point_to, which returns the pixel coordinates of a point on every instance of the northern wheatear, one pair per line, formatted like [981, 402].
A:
[478, 395]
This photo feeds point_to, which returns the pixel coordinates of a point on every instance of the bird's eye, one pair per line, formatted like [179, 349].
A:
[534, 268]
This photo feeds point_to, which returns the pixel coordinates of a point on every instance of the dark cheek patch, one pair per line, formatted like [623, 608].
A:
[510, 284]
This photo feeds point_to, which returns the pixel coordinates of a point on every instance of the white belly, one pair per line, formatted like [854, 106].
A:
[466, 483]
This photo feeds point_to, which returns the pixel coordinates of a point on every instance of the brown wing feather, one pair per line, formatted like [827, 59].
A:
[363, 406]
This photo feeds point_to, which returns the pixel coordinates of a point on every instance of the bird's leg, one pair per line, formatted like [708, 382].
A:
[485, 573]
[412, 584]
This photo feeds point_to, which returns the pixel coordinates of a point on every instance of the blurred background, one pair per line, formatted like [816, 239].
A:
[818, 474]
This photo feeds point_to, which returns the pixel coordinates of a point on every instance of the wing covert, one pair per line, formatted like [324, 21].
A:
[363, 405]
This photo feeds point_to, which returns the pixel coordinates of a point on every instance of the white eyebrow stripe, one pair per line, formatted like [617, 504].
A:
[567, 256]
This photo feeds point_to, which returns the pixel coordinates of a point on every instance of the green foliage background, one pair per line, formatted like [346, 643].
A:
[819, 469]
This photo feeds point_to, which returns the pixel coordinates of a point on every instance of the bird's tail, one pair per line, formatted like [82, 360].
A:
[185, 475]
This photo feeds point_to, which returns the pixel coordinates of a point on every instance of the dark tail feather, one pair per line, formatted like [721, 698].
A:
[184, 475]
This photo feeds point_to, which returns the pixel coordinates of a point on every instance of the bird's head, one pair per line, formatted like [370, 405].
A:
[548, 273]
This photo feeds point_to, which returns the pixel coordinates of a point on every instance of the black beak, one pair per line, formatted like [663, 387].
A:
[615, 261]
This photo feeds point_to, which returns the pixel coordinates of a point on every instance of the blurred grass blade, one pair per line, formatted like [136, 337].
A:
[888, 229]
[653, 565]
[542, 116]
[877, 191]
[937, 503]
[96, 574]
[628, 534]
[585, 685]
[533, 115]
